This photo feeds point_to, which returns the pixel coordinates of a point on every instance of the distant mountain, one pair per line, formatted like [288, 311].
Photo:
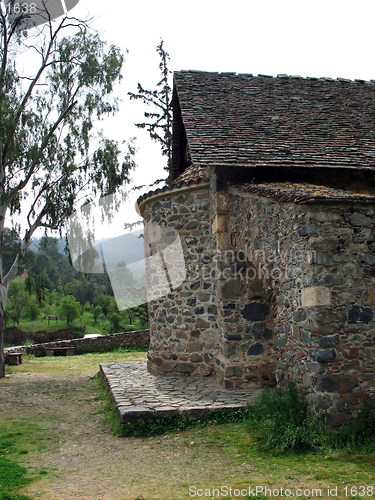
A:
[127, 248]
[34, 247]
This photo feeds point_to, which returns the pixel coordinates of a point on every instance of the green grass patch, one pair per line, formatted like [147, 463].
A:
[11, 496]
[160, 425]
[108, 406]
[118, 350]
[13, 476]
[215, 448]
[358, 434]
[78, 363]
[279, 423]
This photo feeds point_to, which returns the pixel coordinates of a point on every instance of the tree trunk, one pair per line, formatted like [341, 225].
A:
[3, 301]
[2, 356]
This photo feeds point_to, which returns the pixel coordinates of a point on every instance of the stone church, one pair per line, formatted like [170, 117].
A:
[272, 193]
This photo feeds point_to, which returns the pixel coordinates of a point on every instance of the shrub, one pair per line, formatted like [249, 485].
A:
[115, 322]
[69, 308]
[33, 310]
[281, 422]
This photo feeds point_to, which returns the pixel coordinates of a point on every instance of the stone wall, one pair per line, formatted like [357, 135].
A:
[183, 323]
[275, 291]
[313, 316]
[99, 344]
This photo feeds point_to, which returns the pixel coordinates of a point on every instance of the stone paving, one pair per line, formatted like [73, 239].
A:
[138, 394]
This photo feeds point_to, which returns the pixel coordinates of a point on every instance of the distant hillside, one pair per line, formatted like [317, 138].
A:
[126, 248]
[34, 247]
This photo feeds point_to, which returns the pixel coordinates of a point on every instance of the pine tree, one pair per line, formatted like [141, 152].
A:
[159, 124]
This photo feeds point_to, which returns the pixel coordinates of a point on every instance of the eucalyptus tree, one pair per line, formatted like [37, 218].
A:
[56, 81]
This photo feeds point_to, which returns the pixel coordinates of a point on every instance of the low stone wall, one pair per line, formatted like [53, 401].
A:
[99, 344]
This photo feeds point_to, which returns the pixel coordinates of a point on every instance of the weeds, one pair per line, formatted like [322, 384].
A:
[358, 434]
[154, 426]
[281, 422]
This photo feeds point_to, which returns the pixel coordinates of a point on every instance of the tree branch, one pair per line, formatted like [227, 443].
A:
[38, 156]
[30, 91]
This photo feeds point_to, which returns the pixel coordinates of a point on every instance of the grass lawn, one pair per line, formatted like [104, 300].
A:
[77, 324]
[58, 446]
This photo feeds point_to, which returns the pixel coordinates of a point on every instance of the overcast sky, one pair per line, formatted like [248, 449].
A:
[332, 38]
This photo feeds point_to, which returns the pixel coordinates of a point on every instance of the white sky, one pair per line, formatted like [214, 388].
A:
[332, 38]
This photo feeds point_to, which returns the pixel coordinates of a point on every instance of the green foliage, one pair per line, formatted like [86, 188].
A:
[69, 309]
[281, 422]
[11, 246]
[358, 434]
[115, 321]
[50, 267]
[107, 303]
[12, 475]
[11, 496]
[96, 312]
[33, 309]
[48, 161]
[159, 125]
[85, 288]
[18, 300]
[39, 296]
[139, 313]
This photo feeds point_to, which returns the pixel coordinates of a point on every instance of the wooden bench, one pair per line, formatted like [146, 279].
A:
[60, 351]
[14, 358]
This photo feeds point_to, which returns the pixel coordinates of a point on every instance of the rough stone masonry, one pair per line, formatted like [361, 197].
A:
[276, 217]
[280, 291]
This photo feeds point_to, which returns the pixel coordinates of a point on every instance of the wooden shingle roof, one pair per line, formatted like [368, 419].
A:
[260, 121]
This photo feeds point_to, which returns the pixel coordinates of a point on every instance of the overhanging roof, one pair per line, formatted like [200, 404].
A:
[260, 121]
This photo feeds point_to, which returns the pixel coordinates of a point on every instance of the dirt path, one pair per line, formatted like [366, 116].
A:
[85, 460]
[56, 401]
